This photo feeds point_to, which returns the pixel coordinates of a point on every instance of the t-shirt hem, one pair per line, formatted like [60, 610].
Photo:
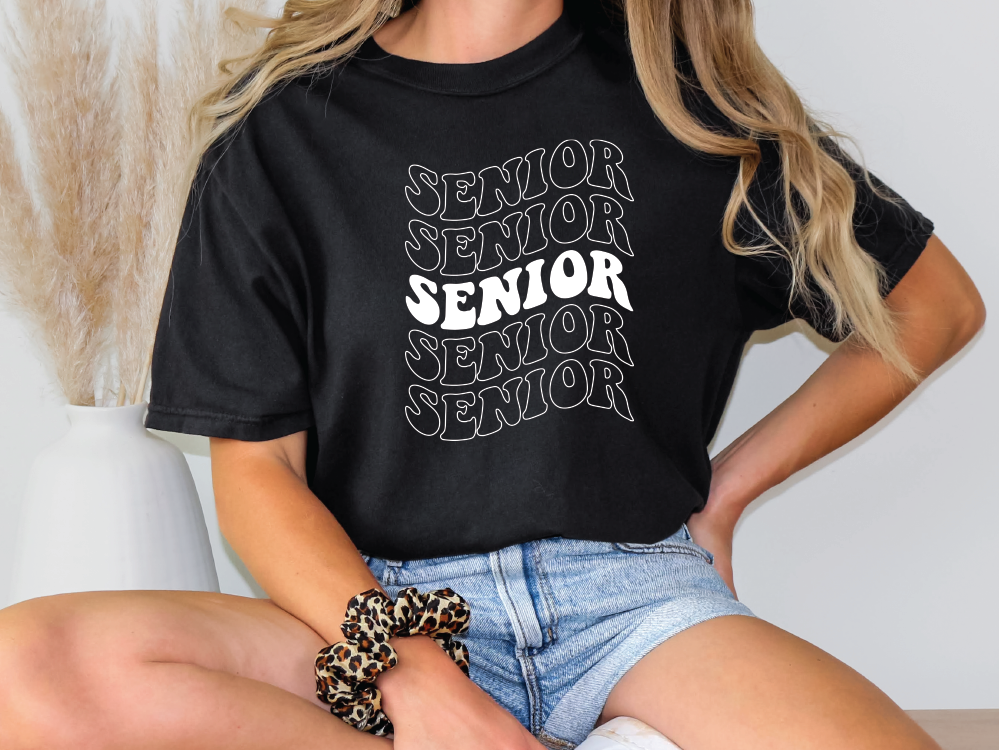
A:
[907, 253]
[897, 264]
[215, 424]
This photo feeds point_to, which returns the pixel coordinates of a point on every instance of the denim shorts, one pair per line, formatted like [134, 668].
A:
[556, 622]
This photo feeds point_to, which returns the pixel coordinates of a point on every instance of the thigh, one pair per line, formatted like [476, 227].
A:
[105, 633]
[743, 682]
[612, 604]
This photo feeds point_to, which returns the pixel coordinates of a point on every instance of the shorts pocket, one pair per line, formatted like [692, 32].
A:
[680, 542]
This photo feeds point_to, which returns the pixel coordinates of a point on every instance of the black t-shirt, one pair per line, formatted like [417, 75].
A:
[495, 294]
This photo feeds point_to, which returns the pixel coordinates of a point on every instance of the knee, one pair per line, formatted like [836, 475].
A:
[48, 695]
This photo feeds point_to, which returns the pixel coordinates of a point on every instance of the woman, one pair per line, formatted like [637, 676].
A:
[460, 303]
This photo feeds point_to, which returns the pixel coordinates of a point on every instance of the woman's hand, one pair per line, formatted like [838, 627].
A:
[713, 529]
[433, 705]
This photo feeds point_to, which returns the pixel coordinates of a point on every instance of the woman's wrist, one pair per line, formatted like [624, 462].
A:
[421, 663]
[734, 485]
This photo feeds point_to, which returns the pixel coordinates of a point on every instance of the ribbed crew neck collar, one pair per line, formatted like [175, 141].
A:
[487, 77]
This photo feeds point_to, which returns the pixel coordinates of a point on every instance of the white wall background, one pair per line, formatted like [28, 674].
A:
[883, 553]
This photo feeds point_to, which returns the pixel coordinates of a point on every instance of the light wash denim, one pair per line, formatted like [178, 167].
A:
[556, 622]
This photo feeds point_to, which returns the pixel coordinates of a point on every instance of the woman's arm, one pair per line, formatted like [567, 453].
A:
[852, 390]
[297, 551]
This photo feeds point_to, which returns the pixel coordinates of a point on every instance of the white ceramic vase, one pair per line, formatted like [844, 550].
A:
[110, 506]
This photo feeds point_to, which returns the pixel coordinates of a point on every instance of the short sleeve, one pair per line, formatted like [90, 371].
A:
[229, 356]
[892, 234]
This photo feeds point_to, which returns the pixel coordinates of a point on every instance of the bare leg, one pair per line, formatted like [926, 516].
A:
[163, 669]
[741, 682]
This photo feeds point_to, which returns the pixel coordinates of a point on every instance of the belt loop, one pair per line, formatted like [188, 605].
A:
[391, 571]
[510, 576]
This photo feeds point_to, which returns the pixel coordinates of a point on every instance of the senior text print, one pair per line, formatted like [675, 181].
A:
[548, 230]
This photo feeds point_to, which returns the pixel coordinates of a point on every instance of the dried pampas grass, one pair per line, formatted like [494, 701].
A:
[89, 221]
[60, 263]
[158, 145]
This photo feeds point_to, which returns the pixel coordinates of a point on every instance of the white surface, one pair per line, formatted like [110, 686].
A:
[110, 506]
[883, 553]
[626, 733]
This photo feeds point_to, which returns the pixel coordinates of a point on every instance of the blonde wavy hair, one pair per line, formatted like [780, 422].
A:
[732, 71]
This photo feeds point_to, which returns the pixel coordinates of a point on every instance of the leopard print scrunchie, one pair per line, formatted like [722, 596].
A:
[346, 671]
